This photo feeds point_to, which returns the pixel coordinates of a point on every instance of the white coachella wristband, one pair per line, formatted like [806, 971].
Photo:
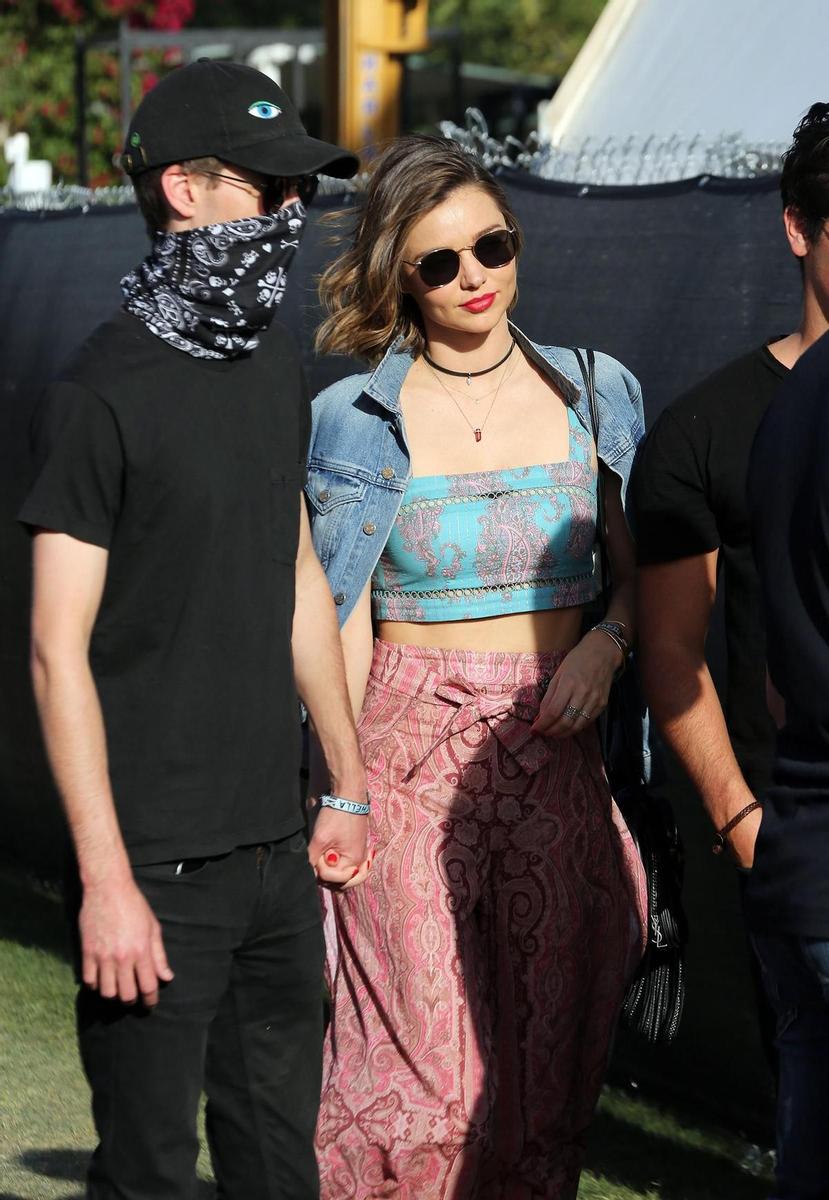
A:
[342, 805]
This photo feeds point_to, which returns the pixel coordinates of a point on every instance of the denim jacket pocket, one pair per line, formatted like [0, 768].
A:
[328, 487]
[331, 492]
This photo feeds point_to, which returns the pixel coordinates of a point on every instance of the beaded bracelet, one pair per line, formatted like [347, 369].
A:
[343, 805]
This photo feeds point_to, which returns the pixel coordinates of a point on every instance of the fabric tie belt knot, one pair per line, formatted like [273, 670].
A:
[508, 714]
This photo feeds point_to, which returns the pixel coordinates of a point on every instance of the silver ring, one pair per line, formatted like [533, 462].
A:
[584, 714]
[572, 713]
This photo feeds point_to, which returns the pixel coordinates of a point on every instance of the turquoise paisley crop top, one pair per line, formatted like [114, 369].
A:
[487, 543]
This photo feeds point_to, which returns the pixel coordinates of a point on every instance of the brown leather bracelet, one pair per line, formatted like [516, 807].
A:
[722, 834]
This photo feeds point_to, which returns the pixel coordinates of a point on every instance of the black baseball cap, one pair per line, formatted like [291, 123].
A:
[229, 111]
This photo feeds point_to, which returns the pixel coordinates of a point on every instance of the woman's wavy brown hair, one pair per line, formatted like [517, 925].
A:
[362, 290]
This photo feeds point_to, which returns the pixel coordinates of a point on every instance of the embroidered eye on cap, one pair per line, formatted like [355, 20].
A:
[232, 112]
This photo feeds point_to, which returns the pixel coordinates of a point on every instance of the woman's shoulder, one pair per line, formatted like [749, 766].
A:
[342, 424]
[344, 391]
[613, 378]
[618, 386]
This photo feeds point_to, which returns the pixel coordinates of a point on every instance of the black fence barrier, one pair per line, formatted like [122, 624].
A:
[672, 279]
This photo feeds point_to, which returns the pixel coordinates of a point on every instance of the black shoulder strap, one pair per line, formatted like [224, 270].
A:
[588, 374]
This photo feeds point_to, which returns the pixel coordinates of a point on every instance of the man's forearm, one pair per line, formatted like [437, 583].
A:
[73, 731]
[320, 677]
[122, 950]
[687, 710]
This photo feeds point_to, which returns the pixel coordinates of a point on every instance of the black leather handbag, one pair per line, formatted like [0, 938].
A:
[655, 999]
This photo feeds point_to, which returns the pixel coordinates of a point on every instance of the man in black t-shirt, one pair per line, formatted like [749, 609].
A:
[691, 518]
[690, 515]
[787, 896]
[170, 542]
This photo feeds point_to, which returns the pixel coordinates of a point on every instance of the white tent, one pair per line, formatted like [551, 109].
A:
[694, 69]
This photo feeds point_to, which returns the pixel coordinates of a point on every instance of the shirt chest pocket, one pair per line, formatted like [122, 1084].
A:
[285, 491]
[332, 497]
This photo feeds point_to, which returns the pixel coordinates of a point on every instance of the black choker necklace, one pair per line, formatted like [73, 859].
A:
[470, 375]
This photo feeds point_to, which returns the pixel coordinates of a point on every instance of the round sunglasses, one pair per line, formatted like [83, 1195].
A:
[439, 267]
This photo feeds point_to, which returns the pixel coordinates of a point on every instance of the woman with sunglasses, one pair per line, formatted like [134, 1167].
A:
[452, 491]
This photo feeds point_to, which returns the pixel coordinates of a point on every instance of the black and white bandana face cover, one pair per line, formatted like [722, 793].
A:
[211, 291]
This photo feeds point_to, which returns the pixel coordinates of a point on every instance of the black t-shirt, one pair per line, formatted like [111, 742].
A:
[189, 471]
[788, 491]
[688, 498]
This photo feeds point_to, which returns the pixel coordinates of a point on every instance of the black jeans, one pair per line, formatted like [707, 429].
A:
[796, 976]
[242, 1019]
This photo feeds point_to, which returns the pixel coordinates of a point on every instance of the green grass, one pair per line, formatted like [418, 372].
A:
[638, 1151]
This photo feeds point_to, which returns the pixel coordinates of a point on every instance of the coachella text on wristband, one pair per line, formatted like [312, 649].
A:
[342, 805]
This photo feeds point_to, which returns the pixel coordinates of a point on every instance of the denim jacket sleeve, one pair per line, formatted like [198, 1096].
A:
[357, 472]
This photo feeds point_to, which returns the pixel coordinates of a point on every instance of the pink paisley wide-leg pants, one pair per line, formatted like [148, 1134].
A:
[476, 976]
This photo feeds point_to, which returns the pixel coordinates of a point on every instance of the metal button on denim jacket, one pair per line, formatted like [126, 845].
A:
[359, 463]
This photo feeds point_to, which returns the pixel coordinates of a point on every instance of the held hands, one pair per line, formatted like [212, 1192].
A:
[338, 848]
[580, 688]
[121, 946]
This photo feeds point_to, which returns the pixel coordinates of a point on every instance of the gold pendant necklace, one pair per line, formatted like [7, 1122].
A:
[477, 430]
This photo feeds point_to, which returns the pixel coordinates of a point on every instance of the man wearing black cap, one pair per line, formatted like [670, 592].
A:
[168, 652]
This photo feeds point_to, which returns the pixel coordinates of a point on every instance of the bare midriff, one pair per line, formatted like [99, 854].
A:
[516, 633]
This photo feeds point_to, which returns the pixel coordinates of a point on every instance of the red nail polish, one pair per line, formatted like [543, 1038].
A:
[356, 871]
[332, 858]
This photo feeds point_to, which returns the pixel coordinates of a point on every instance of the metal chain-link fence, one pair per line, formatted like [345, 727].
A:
[592, 161]
[610, 160]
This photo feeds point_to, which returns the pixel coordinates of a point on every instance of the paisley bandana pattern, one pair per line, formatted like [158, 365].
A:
[211, 291]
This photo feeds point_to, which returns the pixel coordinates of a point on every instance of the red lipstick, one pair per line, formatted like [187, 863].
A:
[479, 303]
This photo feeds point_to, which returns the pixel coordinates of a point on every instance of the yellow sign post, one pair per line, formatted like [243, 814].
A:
[366, 39]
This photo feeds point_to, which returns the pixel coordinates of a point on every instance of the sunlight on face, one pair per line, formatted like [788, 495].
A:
[456, 224]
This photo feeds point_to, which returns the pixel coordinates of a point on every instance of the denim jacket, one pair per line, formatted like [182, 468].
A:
[359, 462]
